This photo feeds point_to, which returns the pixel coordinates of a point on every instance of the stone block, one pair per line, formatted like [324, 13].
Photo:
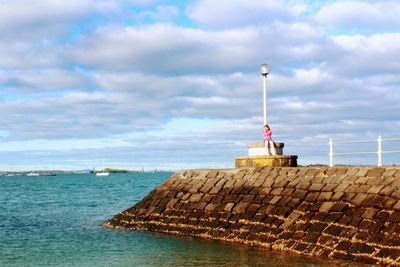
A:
[317, 227]
[312, 196]
[375, 172]
[210, 207]
[316, 187]
[388, 203]
[303, 185]
[239, 175]
[369, 213]
[283, 201]
[299, 193]
[303, 207]
[387, 191]
[329, 187]
[294, 202]
[253, 208]
[247, 198]
[361, 248]
[396, 194]
[375, 189]
[389, 173]
[311, 237]
[333, 230]
[337, 196]
[319, 216]
[212, 174]
[333, 217]
[241, 207]
[325, 196]
[363, 180]
[195, 197]
[277, 191]
[171, 203]
[275, 200]
[326, 207]
[342, 187]
[315, 206]
[394, 217]
[358, 199]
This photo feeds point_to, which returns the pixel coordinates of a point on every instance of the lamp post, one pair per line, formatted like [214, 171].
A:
[264, 72]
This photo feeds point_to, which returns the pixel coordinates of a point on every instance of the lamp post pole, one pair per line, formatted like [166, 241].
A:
[264, 73]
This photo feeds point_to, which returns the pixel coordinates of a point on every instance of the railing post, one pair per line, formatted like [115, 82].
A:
[379, 151]
[330, 152]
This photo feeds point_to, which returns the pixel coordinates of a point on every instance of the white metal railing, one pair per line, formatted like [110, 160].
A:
[379, 152]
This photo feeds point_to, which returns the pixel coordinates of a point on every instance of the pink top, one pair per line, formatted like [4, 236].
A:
[267, 135]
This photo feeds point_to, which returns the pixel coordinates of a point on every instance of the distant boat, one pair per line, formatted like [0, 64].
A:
[102, 173]
[49, 174]
[32, 174]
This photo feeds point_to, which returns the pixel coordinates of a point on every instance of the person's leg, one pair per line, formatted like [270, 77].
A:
[266, 147]
[273, 151]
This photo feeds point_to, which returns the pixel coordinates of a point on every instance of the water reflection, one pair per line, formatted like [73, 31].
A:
[182, 251]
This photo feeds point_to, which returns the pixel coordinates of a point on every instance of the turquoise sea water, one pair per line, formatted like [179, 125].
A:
[55, 221]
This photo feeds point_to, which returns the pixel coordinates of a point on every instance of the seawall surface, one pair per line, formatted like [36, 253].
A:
[350, 213]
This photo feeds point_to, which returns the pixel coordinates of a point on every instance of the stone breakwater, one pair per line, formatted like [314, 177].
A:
[347, 213]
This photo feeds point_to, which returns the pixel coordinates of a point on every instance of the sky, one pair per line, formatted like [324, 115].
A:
[145, 84]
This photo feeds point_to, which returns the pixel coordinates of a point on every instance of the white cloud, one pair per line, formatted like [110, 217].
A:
[237, 13]
[165, 13]
[360, 15]
[73, 72]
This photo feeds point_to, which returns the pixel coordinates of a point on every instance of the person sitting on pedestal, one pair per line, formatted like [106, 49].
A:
[269, 144]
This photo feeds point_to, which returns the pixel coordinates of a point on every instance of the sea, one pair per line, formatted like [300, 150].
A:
[56, 221]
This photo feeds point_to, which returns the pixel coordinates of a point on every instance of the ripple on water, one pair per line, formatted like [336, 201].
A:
[55, 221]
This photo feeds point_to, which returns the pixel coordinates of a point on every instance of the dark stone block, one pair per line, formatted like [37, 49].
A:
[375, 238]
[307, 216]
[381, 215]
[355, 221]
[293, 202]
[315, 206]
[281, 211]
[299, 193]
[269, 220]
[343, 245]
[311, 237]
[277, 222]
[283, 201]
[339, 206]
[317, 227]
[253, 208]
[258, 228]
[388, 253]
[361, 248]
[304, 206]
[298, 235]
[247, 215]
[325, 240]
[285, 235]
[333, 230]
[365, 224]
[258, 218]
[258, 199]
[333, 217]
[394, 217]
[319, 216]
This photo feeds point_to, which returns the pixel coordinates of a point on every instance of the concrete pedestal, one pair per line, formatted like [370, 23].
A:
[262, 161]
[259, 149]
